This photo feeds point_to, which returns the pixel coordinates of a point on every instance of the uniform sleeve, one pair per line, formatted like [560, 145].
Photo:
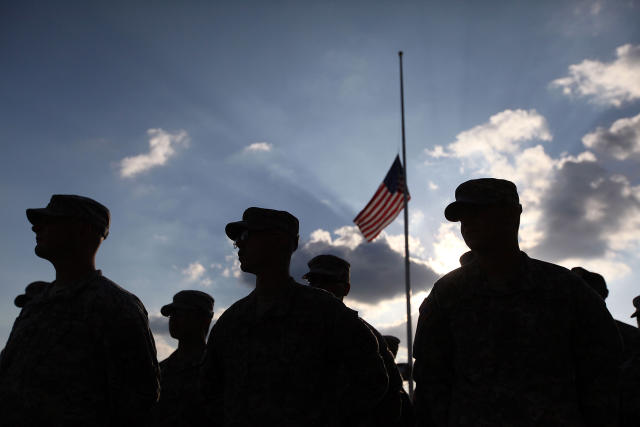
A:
[212, 378]
[433, 370]
[132, 367]
[598, 355]
[357, 348]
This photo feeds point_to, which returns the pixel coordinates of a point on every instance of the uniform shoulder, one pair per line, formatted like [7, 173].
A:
[110, 295]
[455, 282]
[314, 299]
[235, 310]
[557, 277]
[552, 269]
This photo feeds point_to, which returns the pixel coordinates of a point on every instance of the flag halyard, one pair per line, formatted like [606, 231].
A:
[385, 205]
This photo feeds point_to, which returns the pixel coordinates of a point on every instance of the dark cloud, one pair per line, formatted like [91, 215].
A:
[159, 325]
[377, 271]
[582, 210]
[621, 140]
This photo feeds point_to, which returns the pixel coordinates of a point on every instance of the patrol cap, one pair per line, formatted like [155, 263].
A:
[482, 192]
[30, 291]
[594, 280]
[190, 300]
[261, 219]
[72, 206]
[636, 304]
[329, 265]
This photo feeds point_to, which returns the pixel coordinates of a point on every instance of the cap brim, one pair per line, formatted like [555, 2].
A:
[21, 300]
[37, 215]
[452, 211]
[635, 314]
[235, 229]
[166, 310]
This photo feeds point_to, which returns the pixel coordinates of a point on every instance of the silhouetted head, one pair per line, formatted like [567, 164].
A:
[189, 314]
[636, 314]
[330, 273]
[594, 280]
[392, 343]
[265, 239]
[33, 289]
[489, 213]
[70, 226]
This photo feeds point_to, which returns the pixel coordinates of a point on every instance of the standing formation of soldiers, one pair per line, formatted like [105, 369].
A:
[504, 340]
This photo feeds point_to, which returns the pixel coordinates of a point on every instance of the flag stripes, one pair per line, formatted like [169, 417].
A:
[385, 205]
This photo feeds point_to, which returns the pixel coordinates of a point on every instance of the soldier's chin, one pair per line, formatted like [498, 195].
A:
[42, 252]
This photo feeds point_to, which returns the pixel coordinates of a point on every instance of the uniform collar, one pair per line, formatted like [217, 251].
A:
[282, 304]
[72, 288]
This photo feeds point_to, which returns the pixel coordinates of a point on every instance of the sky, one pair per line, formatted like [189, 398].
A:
[180, 115]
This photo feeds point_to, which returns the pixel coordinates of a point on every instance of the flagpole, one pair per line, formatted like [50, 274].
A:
[406, 239]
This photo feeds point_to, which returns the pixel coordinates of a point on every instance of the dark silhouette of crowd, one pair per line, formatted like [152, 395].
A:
[504, 340]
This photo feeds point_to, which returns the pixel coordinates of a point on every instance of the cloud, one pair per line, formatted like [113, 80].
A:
[588, 214]
[608, 83]
[377, 269]
[258, 147]
[491, 143]
[162, 146]
[621, 140]
[159, 324]
[447, 249]
[163, 347]
[495, 148]
[574, 209]
[195, 272]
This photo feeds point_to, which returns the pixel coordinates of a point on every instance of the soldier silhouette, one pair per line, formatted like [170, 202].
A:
[80, 352]
[407, 418]
[629, 378]
[333, 274]
[393, 344]
[630, 335]
[190, 316]
[506, 340]
[287, 354]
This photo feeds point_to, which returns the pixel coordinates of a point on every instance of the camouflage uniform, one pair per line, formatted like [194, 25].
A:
[308, 361]
[179, 399]
[544, 353]
[79, 355]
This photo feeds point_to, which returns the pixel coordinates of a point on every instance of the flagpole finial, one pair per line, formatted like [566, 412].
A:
[400, 53]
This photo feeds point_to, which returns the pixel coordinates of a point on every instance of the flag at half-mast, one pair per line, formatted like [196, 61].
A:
[385, 205]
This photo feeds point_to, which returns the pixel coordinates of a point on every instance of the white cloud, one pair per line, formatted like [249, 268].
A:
[609, 83]
[194, 271]
[258, 147]
[621, 140]
[501, 134]
[233, 266]
[447, 249]
[163, 347]
[417, 217]
[609, 266]
[162, 146]
[432, 185]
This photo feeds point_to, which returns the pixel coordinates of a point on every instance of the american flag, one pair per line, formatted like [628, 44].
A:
[385, 205]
